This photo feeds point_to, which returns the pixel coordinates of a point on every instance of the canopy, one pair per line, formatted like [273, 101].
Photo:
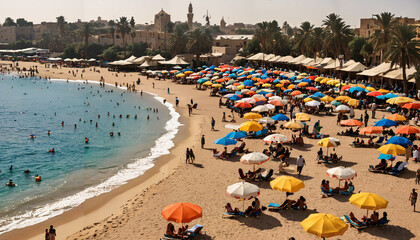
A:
[397, 73]
[392, 149]
[177, 60]
[277, 138]
[287, 184]
[383, 67]
[324, 225]
[407, 130]
[225, 141]
[370, 201]
[158, 57]
[341, 173]
[356, 67]
[250, 126]
[181, 212]
[254, 158]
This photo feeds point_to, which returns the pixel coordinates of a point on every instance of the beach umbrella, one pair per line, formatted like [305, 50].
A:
[351, 123]
[327, 98]
[369, 201]
[270, 106]
[318, 94]
[276, 103]
[294, 125]
[266, 120]
[217, 85]
[243, 190]
[357, 89]
[335, 103]
[414, 105]
[386, 156]
[252, 116]
[311, 89]
[303, 84]
[181, 212]
[250, 126]
[254, 158]
[308, 99]
[225, 141]
[236, 135]
[353, 102]
[383, 90]
[390, 95]
[374, 94]
[385, 123]
[260, 108]
[392, 149]
[370, 89]
[342, 108]
[318, 79]
[249, 83]
[396, 117]
[280, 117]
[329, 142]
[341, 173]
[324, 225]
[342, 98]
[242, 105]
[400, 100]
[277, 138]
[302, 117]
[208, 83]
[287, 184]
[313, 103]
[371, 130]
[407, 130]
[402, 141]
[234, 97]
[295, 93]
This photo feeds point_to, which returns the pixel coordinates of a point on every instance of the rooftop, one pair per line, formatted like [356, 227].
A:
[235, 37]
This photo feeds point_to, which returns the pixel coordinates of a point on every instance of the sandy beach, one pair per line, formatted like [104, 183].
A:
[133, 211]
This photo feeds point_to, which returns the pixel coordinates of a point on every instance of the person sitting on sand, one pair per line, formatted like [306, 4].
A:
[374, 218]
[229, 209]
[170, 230]
[383, 219]
[354, 219]
[381, 166]
[300, 204]
[224, 153]
[345, 187]
[254, 209]
[287, 204]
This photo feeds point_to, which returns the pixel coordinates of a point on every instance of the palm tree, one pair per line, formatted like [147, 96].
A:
[198, 43]
[133, 32]
[381, 39]
[123, 28]
[177, 42]
[316, 42]
[61, 22]
[111, 25]
[338, 36]
[86, 32]
[303, 37]
[403, 50]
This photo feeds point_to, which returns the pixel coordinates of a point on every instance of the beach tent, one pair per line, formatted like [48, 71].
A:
[383, 67]
[307, 61]
[158, 57]
[261, 57]
[177, 60]
[356, 67]
[349, 63]
[274, 59]
[120, 63]
[148, 63]
[140, 60]
[285, 59]
[130, 59]
[298, 59]
[332, 64]
[397, 73]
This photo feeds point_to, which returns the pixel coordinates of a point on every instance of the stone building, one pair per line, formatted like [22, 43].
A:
[368, 26]
[10, 34]
[161, 21]
[190, 16]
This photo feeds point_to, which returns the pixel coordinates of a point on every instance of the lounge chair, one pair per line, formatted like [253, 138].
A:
[267, 176]
[348, 192]
[233, 215]
[274, 207]
[241, 174]
[352, 224]
[194, 231]
[398, 168]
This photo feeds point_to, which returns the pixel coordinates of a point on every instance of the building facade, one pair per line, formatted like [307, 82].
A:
[161, 21]
[368, 26]
[10, 34]
[234, 41]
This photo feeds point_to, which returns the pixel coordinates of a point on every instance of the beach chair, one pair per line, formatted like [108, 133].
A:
[348, 192]
[329, 193]
[267, 176]
[274, 207]
[398, 168]
[241, 174]
[352, 224]
[233, 215]
[194, 231]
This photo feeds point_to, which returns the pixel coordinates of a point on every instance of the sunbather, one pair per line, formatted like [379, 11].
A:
[383, 219]
[300, 204]
[254, 209]
[170, 230]
[354, 219]
[381, 166]
[229, 209]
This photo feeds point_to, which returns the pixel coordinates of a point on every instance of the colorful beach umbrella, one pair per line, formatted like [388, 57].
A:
[181, 212]
[236, 135]
[341, 173]
[385, 123]
[225, 141]
[342, 108]
[287, 184]
[324, 225]
[294, 125]
[396, 117]
[243, 105]
[402, 141]
[371, 130]
[276, 138]
[400, 100]
[351, 122]
[254, 158]
[252, 116]
[280, 117]
[392, 149]
[414, 105]
[302, 117]
[407, 130]
[250, 126]
[369, 201]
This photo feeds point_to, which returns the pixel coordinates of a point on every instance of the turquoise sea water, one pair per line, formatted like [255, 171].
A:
[77, 170]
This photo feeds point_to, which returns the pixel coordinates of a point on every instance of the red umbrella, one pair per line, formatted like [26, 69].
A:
[243, 105]
[312, 77]
[351, 122]
[345, 88]
[371, 130]
[374, 94]
[276, 103]
[407, 130]
[311, 89]
[414, 105]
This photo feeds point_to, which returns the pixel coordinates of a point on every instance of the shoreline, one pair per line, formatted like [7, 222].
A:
[101, 206]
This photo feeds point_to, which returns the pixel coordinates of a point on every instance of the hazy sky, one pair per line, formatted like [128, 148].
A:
[246, 11]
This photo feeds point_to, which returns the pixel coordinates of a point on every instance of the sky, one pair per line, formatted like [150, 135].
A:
[233, 11]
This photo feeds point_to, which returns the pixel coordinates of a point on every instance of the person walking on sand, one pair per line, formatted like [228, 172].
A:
[187, 155]
[413, 199]
[213, 122]
[300, 162]
[192, 156]
[176, 101]
[169, 92]
[203, 141]
[366, 118]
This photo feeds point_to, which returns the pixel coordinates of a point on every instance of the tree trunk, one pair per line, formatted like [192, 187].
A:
[404, 79]
[125, 54]
[86, 46]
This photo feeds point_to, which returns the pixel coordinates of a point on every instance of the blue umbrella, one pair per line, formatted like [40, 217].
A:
[335, 103]
[287, 90]
[225, 141]
[385, 123]
[293, 78]
[357, 89]
[386, 156]
[236, 135]
[202, 80]
[381, 97]
[306, 80]
[402, 141]
[280, 117]
[276, 81]
[234, 97]
[318, 94]
[390, 95]
[249, 83]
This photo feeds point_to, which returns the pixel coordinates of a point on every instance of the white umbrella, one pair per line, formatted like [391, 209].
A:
[232, 87]
[243, 91]
[232, 126]
[261, 108]
[275, 98]
[257, 96]
[229, 95]
[270, 106]
[254, 158]
[343, 108]
[313, 103]
[266, 120]
[278, 138]
[341, 173]
[243, 190]
[248, 100]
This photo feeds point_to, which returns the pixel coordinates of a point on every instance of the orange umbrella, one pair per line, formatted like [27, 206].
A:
[276, 103]
[295, 93]
[243, 105]
[351, 122]
[371, 130]
[407, 130]
[181, 212]
[250, 93]
[414, 105]
[396, 117]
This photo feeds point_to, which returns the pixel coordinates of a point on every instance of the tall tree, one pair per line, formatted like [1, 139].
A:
[21, 22]
[86, 32]
[61, 22]
[303, 38]
[9, 22]
[338, 34]
[199, 43]
[111, 25]
[264, 34]
[356, 46]
[133, 31]
[404, 50]
[177, 42]
[316, 41]
[381, 39]
[123, 28]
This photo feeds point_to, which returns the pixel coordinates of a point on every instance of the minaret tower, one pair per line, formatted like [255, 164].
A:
[190, 16]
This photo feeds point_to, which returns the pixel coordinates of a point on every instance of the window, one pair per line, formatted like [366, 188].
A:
[368, 25]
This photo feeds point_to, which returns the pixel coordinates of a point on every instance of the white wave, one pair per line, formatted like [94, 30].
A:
[132, 170]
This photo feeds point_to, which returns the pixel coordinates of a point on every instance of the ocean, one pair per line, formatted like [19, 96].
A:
[77, 170]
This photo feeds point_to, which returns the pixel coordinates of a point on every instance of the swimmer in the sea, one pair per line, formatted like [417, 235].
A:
[26, 171]
[51, 150]
[86, 140]
[11, 183]
[49, 132]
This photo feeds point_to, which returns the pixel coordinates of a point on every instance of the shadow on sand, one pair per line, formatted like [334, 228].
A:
[390, 232]
[263, 222]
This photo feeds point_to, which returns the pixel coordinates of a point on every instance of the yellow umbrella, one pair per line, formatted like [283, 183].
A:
[284, 81]
[333, 82]
[303, 117]
[392, 149]
[327, 98]
[400, 100]
[342, 98]
[217, 85]
[307, 100]
[241, 87]
[325, 80]
[383, 90]
[279, 85]
[353, 102]
[188, 72]
[324, 225]
[287, 184]
[329, 142]
[294, 124]
[208, 83]
[303, 84]
[396, 117]
[180, 75]
[252, 116]
[369, 201]
[318, 79]
[266, 85]
[250, 126]
[291, 86]
[370, 89]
